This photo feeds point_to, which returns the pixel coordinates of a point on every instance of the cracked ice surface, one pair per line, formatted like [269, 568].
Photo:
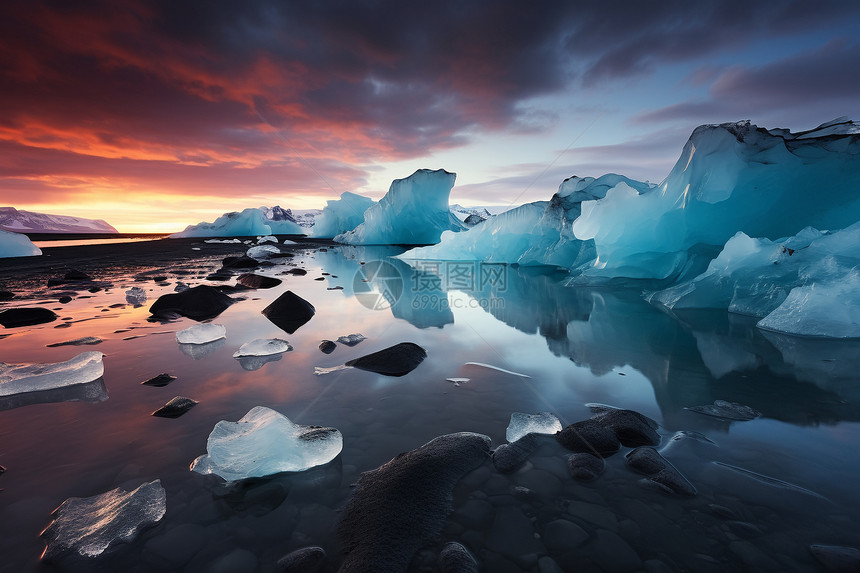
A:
[265, 442]
[20, 378]
[89, 526]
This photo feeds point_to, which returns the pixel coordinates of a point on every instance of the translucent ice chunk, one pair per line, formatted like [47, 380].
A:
[201, 333]
[263, 251]
[135, 296]
[89, 526]
[263, 347]
[267, 239]
[341, 215]
[16, 245]
[522, 424]
[265, 442]
[20, 378]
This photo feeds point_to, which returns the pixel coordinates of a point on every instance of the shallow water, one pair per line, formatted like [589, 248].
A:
[576, 345]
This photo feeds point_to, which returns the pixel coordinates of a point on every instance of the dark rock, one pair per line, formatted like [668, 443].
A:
[94, 289]
[15, 317]
[397, 360]
[76, 275]
[233, 288]
[240, 263]
[646, 460]
[632, 428]
[319, 279]
[87, 340]
[175, 407]
[297, 271]
[251, 280]
[335, 288]
[2, 470]
[198, 303]
[589, 436]
[403, 505]
[159, 279]
[473, 219]
[837, 559]
[327, 346]
[508, 458]
[65, 299]
[6, 295]
[159, 381]
[219, 276]
[304, 560]
[351, 339]
[563, 535]
[289, 312]
[455, 558]
[585, 466]
[727, 410]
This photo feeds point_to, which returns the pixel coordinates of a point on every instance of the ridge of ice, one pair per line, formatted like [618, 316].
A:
[20, 378]
[413, 212]
[265, 442]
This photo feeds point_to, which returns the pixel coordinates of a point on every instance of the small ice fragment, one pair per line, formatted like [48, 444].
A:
[135, 296]
[319, 370]
[20, 378]
[491, 367]
[351, 339]
[201, 333]
[86, 340]
[89, 526]
[263, 251]
[263, 347]
[458, 381]
[522, 424]
[267, 239]
[222, 241]
[265, 442]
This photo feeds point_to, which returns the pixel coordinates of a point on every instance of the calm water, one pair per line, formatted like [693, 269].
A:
[576, 345]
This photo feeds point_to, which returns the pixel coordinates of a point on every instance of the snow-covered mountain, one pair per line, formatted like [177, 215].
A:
[12, 219]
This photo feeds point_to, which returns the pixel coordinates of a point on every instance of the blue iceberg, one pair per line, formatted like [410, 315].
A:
[413, 212]
[16, 245]
[251, 222]
[341, 215]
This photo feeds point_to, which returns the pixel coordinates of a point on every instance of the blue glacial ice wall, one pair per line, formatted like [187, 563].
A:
[413, 212]
[730, 177]
[248, 223]
[341, 215]
[538, 233]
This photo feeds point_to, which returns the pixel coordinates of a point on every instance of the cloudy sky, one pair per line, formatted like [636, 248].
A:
[155, 114]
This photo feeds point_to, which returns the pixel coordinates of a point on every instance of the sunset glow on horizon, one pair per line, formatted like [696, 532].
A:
[157, 115]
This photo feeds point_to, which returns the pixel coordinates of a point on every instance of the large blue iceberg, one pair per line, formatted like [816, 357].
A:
[537, 233]
[341, 215]
[16, 245]
[413, 212]
[248, 223]
[730, 177]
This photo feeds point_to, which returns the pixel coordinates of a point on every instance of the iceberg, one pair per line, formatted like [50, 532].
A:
[17, 245]
[341, 215]
[201, 333]
[808, 284]
[263, 347]
[537, 233]
[413, 212]
[90, 526]
[252, 222]
[730, 177]
[264, 442]
[21, 378]
[522, 424]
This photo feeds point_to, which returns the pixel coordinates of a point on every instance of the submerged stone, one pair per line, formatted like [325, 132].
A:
[589, 436]
[585, 466]
[304, 560]
[90, 526]
[239, 263]
[15, 317]
[198, 303]
[508, 458]
[397, 360]
[251, 280]
[327, 346]
[175, 407]
[289, 312]
[85, 341]
[837, 559]
[727, 410]
[632, 428]
[403, 505]
[646, 460]
[455, 558]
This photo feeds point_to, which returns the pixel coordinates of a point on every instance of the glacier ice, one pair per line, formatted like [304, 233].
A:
[341, 215]
[413, 212]
[201, 333]
[17, 245]
[265, 442]
[251, 222]
[537, 233]
[731, 177]
[135, 296]
[267, 239]
[89, 526]
[522, 424]
[808, 284]
[263, 347]
[263, 251]
[20, 378]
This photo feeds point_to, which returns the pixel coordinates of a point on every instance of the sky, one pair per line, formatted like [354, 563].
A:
[157, 114]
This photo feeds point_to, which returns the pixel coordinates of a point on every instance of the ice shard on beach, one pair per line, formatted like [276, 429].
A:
[21, 378]
[413, 212]
[264, 442]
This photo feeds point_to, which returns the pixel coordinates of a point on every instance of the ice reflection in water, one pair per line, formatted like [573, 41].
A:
[578, 345]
